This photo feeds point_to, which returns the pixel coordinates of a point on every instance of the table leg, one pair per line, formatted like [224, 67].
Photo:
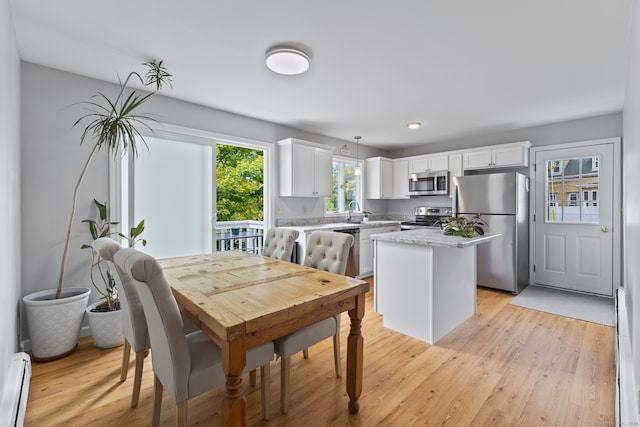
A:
[234, 405]
[355, 347]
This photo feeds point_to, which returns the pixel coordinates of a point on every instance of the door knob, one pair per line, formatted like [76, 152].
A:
[605, 230]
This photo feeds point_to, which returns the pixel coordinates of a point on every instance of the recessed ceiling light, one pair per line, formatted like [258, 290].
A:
[414, 125]
[287, 61]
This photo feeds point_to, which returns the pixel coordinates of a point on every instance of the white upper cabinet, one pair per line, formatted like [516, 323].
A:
[400, 179]
[498, 156]
[379, 178]
[437, 162]
[304, 168]
[455, 165]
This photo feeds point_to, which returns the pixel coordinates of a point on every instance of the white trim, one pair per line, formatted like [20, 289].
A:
[626, 396]
[616, 208]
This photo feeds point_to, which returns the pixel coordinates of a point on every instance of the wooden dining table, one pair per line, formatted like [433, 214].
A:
[241, 300]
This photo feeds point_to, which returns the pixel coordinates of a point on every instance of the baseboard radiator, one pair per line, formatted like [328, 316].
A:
[16, 391]
[626, 395]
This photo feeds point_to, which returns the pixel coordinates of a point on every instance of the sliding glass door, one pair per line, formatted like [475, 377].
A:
[172, 187]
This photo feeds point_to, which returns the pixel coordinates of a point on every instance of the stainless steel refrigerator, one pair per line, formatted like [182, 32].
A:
[502, 199]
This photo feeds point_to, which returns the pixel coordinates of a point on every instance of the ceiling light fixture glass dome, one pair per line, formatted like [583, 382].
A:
[287, 61]
[414, 125]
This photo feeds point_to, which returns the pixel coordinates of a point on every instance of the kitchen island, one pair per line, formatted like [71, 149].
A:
[424, 281]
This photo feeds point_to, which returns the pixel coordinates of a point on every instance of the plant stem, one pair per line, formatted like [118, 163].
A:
[73, 214]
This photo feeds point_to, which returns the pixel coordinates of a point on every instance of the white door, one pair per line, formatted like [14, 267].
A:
[574, 199]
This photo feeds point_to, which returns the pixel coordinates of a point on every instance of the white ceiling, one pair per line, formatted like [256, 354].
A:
[460, 67]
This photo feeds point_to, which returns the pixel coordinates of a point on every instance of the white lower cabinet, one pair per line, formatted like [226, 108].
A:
[366, 247]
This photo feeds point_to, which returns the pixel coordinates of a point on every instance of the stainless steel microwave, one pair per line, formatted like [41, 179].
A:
[429, 183]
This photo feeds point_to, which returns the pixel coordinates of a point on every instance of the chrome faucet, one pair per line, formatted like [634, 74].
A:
[350, 213]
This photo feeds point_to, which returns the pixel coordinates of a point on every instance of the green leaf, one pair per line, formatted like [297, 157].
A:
[102, 209]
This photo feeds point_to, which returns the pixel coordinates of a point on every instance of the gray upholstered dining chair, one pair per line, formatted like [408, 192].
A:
[134, 325]
[279, 243]
[185, 365]
[328, 251]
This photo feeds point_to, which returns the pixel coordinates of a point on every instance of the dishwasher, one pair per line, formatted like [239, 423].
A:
[353, 262]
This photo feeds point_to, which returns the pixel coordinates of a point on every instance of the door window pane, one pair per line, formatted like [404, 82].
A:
[572, 190]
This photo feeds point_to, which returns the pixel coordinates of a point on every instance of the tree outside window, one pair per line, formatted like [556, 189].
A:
[239, 183]
[347, 188]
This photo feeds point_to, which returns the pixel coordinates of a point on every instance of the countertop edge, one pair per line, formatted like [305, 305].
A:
[432, 238]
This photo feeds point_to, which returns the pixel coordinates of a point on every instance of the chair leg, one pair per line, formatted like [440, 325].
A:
[284, 384]
[336, 349]
[181, 421]
[125, 360]
[265, 390]
[137, 378]
[157, 401]
[305, 353]
[252, 377]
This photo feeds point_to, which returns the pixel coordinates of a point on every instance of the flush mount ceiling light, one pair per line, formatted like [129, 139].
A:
[414, 125]
[287, 61]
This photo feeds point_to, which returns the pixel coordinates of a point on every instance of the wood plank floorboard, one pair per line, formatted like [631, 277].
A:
[506, 366]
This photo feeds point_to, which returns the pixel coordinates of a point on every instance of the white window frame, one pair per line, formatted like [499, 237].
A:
[341, 209]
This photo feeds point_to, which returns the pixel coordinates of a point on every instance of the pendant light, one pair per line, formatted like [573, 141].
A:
[357, 170]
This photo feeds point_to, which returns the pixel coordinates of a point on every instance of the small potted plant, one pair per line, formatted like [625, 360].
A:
[464, 227]
[104, 316]
[365, 216]
[105, 319]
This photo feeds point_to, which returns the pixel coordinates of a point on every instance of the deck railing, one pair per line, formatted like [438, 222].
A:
[240, 235]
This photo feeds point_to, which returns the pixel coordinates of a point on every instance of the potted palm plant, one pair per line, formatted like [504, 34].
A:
[54, 317]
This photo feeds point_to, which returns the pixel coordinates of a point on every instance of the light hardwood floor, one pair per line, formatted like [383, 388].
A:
[506, 366]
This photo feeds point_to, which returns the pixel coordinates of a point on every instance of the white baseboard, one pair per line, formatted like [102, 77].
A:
[16, 391]
[626, 394]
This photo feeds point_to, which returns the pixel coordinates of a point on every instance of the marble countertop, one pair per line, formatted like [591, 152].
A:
[431, 237]
[343, 225]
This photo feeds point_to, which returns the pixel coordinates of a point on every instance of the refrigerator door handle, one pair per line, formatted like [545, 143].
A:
[454, 202]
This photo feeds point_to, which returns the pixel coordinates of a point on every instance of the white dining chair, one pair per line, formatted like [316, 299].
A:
[279, 243]
[327, 251]
[185, 365]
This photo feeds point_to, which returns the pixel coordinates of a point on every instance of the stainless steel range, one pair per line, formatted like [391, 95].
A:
[427, 217]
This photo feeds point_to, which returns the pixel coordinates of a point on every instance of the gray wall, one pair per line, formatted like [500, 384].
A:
[609, 125]
[605, 126]
[52, 159]
[631, 195]
[9, 191]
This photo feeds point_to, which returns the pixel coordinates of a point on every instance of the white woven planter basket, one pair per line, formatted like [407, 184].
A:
[54, 324]
[106, 327]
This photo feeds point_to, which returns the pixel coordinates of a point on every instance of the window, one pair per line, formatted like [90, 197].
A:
[573, 199]
[347, 188]
[572, 190]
